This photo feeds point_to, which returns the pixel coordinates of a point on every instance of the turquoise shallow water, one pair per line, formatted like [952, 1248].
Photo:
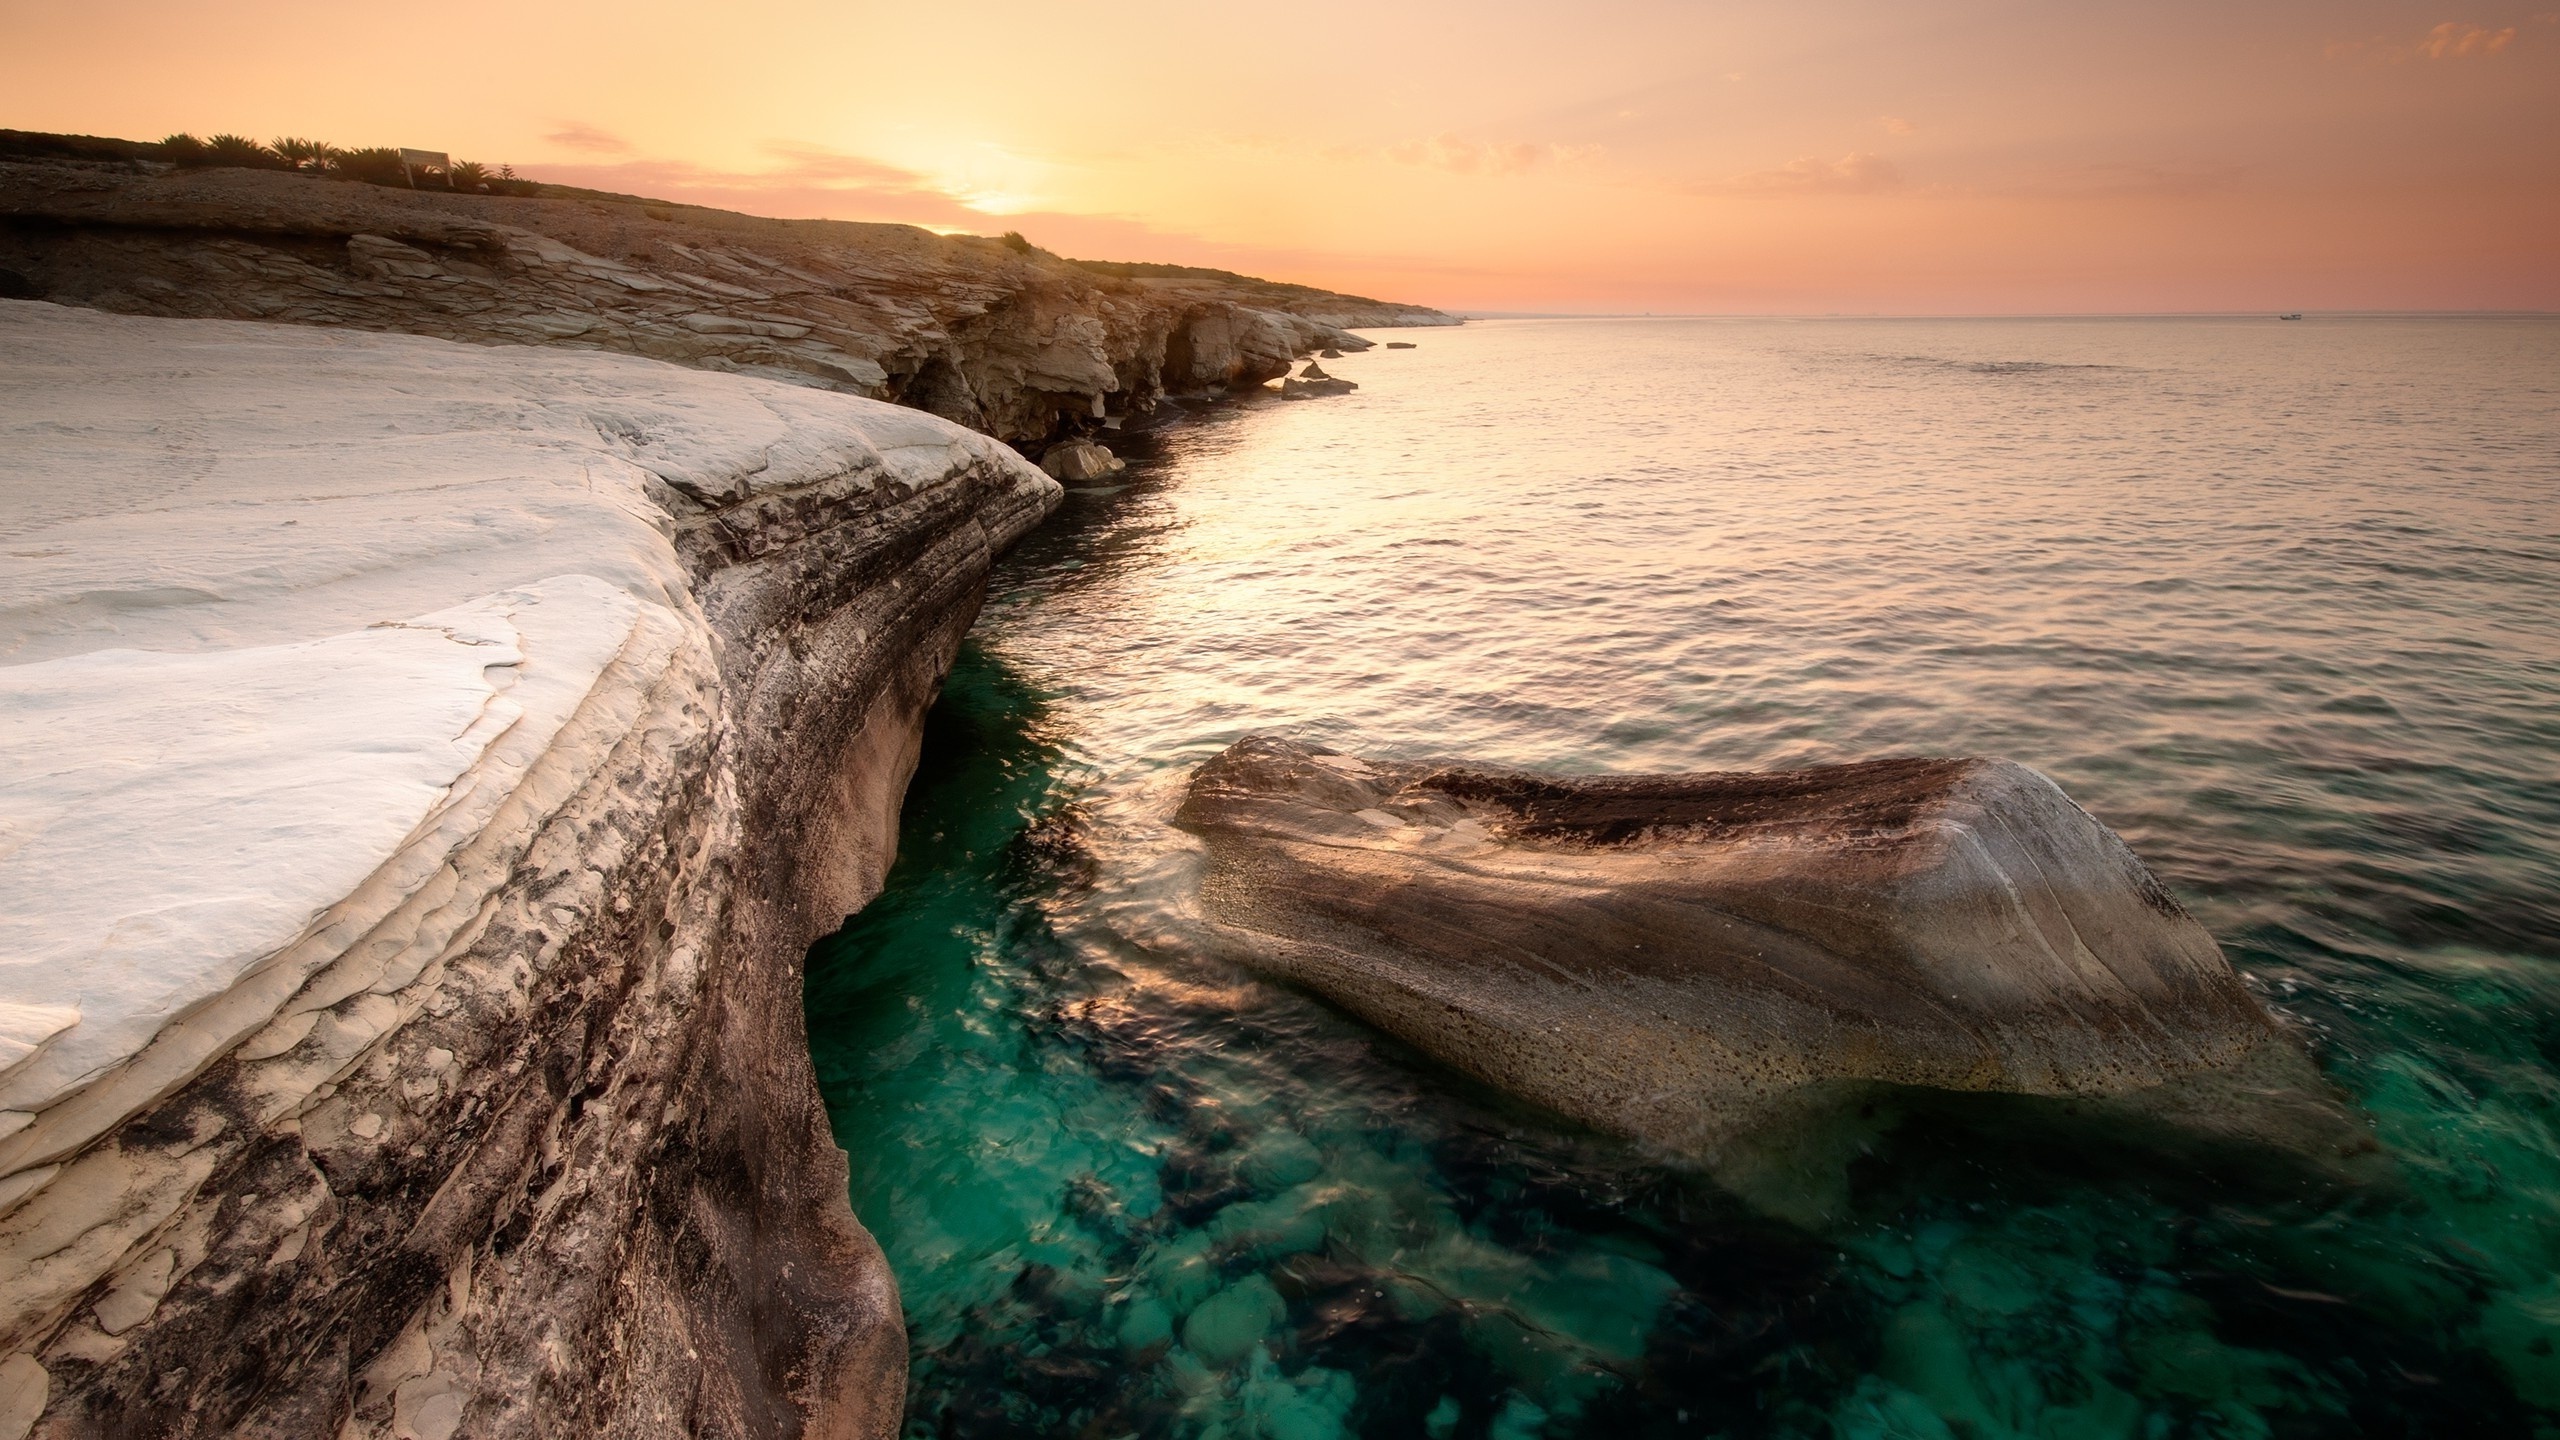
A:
[2280, 602]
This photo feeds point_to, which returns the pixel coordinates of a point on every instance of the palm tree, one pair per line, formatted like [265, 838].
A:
[374, 164]
[303, 154]
[242, 152]
[468, 176]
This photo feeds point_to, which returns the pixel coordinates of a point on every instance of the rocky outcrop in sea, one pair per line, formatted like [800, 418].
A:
[1748, 967]
[1311, 382]
[428, 765]
[1008, 340]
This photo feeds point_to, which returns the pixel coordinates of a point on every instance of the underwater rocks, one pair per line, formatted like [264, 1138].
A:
[1716, 962]
[1017, 343]
[429, 764]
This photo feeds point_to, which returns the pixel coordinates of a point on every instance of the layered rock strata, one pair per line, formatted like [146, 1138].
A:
[1710, 961]
[427, 765]
[1015, 342]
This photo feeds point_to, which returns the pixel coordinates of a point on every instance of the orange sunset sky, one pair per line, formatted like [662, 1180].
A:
[1985, 156]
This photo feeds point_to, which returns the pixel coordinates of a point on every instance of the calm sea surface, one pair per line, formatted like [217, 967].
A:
[2278, 601]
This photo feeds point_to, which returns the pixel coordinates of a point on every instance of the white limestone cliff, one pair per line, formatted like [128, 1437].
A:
[425, 765]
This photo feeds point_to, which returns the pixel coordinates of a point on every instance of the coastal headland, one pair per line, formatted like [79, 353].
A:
[1001, 337]
[432, 760]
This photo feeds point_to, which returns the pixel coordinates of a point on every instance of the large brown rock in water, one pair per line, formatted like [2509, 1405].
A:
[1076, 461]
[1714, 962]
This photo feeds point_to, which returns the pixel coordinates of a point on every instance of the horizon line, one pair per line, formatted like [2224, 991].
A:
[1470, 313]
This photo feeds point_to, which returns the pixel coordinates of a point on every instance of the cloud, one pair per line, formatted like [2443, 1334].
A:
[2453, 40]
[577, 135]
[1895, 125]
[808, 181]
[1479, 157]
[816, 164]
[1856, 173]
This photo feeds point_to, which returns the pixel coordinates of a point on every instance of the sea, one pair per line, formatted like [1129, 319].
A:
[2279, 601]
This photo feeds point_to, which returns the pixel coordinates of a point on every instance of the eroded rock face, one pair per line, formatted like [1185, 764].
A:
[1019, 345]
[1704, 960]
[599, 680]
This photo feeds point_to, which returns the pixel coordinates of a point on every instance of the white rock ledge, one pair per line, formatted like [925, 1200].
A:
[175, 822]
[314, 647]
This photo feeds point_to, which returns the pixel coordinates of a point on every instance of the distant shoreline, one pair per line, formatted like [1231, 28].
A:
[1473, 316]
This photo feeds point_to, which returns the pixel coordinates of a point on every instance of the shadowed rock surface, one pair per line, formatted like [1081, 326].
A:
[1703, 961]
[1017, 343]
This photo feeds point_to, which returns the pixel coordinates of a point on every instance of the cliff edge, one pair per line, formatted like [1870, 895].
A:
[1012, 341]
[428, 766]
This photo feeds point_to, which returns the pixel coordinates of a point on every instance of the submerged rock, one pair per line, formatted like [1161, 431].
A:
[1715, 962]
[1081, 460]
[1402, 345]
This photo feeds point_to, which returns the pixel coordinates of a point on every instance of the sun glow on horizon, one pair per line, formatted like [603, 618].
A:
[1987, 156]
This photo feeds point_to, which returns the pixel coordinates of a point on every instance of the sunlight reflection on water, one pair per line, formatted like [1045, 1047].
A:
[2276, 602]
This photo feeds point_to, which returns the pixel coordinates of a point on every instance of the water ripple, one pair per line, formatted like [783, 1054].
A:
[2279, 602]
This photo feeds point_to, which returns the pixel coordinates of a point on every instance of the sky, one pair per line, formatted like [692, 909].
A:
[1672, 156]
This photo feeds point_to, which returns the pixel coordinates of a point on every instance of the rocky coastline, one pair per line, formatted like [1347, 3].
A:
[510, 1129]
[463, 651]
[499, 1119]
[1006, 339]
